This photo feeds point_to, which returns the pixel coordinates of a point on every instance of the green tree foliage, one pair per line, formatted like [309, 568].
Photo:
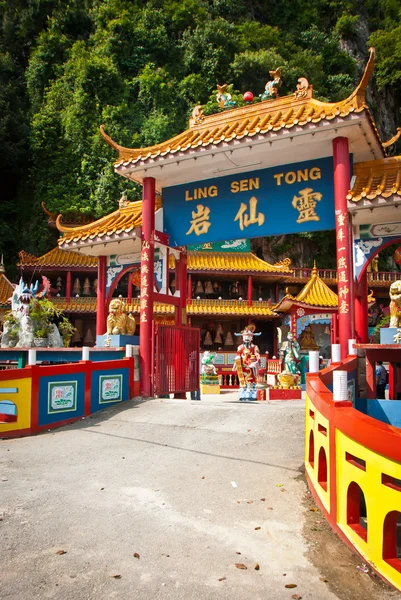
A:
[139, 68]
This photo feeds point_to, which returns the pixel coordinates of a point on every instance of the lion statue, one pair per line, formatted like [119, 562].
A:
[395, 304]
[118, 321]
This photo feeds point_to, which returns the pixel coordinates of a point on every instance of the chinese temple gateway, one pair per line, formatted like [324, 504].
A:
[281, 165]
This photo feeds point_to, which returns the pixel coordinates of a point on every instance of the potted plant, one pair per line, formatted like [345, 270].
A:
[67, 330]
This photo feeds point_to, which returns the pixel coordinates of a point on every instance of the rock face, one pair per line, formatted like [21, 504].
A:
[54, 337]
[25, 339]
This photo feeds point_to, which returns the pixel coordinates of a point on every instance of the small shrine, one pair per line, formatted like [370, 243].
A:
[312, 314]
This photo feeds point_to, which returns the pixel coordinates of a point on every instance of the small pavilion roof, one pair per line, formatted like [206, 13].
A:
[57, 259]
[259, 121]
[234, 262]
[6, 289]
[314, 294]
[120, 225]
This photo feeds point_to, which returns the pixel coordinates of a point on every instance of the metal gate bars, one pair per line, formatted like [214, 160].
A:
[176, 353]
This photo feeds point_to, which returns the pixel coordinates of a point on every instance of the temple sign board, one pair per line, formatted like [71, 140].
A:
[293, 198]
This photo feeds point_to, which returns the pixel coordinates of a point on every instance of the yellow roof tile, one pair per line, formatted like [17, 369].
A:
[255, 119]
[230, 308]
[376, 178]
[6, 290]
[57, 258]
[317, 293]
[314, 293]
[123, 220]
[234, 262]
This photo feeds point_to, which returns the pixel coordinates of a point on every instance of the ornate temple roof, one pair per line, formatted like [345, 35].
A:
[314, 294]
[118, 226]
[230, 308]
[258, 120]
[234, 262]
[6, 289]
[376, 179]
[57, 259]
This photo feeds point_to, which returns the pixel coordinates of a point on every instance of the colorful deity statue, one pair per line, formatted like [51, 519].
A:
[247, 364]
[289, 354]
[271, 87]
[208, 367]
[224, 97]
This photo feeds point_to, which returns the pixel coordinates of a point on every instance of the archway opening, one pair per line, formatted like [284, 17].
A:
[311, 457]
[392, 539]
[322, 469]
[357, 517]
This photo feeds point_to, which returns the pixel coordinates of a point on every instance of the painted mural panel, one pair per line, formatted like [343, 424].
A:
[110, 388]
[62, 396]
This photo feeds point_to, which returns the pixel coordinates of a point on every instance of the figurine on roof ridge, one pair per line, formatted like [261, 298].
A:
[224, 98]
[271, 87]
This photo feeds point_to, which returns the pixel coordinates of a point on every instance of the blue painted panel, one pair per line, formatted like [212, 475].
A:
[8, 408]
[100, 379]
[386, 411]
[387, 335]
[290, 198]
[62, 356]
[53, 392]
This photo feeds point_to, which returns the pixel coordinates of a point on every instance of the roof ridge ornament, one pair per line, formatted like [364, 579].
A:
[302, 88]
[393, 140]
[197, 117]
[271, 87]
[224, 98]
[359, 93]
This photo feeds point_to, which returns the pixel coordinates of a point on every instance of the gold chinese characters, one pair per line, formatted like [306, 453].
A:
[305, 204]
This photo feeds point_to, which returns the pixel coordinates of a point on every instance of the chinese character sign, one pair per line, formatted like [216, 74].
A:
[291, 198]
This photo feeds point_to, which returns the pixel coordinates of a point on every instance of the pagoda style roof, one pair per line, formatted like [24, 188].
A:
[376, 179]
[234, 262]
[119, 226]
[233, 308]
[6, 290]
[57, 259]
[255, 124]
[376, 193]
[314, 294]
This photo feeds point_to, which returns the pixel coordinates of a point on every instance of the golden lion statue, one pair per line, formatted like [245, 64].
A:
[118, 321]
[395, 304]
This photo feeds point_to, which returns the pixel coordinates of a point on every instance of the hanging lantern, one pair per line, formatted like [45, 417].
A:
[218, 338]
[199, 288]
[229, 340]
[208, 339]
[87, 287]
[397, 255]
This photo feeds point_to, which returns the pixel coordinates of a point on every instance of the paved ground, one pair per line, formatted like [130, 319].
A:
[192, 487]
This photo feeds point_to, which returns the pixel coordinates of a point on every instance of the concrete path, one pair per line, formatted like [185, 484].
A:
[191, 487]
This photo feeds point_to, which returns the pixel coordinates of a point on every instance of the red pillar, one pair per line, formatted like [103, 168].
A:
[68, 287]
[249, 290]
[343, 241]
[146, 301]
[189, 286]
[361, 310]
[101, 296]
[129, 294]
[183, 287]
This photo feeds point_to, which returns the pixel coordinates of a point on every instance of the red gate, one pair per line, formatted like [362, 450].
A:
[176, 352]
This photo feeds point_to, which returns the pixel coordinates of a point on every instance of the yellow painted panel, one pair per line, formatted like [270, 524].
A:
[22, 400]
[379, 498]
[320, 441]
